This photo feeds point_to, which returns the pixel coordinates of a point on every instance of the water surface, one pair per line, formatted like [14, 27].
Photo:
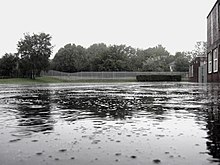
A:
[125, 123]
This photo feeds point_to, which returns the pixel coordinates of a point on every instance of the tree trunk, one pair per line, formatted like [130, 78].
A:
[33, 74]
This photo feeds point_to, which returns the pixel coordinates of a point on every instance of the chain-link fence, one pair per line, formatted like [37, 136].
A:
[107, 75]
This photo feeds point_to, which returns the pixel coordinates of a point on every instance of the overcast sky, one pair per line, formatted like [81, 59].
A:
[176, 24]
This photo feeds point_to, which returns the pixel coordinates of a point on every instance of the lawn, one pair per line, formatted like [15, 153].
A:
[38, 80]
[44, 79]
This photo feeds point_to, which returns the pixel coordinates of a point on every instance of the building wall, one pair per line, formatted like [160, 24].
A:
[202, 77]
[213, 42]
[194, 77]
[195, 67]
[212, 28]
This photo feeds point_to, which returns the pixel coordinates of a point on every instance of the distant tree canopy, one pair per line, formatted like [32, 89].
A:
[155, 59]
[200, 49]
[34, 52]
[70, 58]
[99, 57]
[181, 62]
[93, 55]
[113, 59]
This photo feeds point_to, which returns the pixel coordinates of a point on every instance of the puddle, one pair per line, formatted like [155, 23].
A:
[124, 123]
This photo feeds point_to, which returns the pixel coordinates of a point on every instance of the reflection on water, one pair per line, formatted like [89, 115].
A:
[213, 122]
[143, 123]
[34, 111]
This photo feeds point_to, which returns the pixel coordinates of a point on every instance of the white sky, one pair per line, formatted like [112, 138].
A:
[176, 24]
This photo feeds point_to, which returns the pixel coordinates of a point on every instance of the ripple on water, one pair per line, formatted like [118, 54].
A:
[107, 122]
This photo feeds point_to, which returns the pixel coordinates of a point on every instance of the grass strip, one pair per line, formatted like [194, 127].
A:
[45, 80]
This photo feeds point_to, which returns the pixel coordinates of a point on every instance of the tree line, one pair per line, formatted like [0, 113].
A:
[100, 57]
[33, 52]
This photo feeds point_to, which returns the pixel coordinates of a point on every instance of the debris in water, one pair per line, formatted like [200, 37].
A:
[117, 154]
[156, 161]
[14, 140]
[62, 150]
[39, 153]
[133, 157]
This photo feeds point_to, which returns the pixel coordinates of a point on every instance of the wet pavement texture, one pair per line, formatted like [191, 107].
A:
[124, 123]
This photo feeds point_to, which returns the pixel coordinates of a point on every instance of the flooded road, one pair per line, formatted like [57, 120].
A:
[97, 124]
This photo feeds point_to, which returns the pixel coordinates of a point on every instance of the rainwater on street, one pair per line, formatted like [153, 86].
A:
[110, 124]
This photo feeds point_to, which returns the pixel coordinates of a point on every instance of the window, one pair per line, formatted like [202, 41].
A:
[210, 62]
[215, 60]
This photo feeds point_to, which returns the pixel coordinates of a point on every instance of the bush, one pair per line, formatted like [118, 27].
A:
[143, 78]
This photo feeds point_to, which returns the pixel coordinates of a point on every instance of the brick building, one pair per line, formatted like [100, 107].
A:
[198, 70]
[213, 43]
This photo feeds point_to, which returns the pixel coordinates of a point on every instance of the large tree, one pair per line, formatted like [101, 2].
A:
[34, 51]
[200, 49]
[94, 53]
[156, 59]
[181, 62]
[8, 65]
[114, 59]
[70, 58]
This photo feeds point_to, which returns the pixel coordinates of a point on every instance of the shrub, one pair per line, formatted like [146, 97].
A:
[143, 78]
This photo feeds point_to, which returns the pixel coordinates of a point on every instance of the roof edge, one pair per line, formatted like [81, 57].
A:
[213, 7]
